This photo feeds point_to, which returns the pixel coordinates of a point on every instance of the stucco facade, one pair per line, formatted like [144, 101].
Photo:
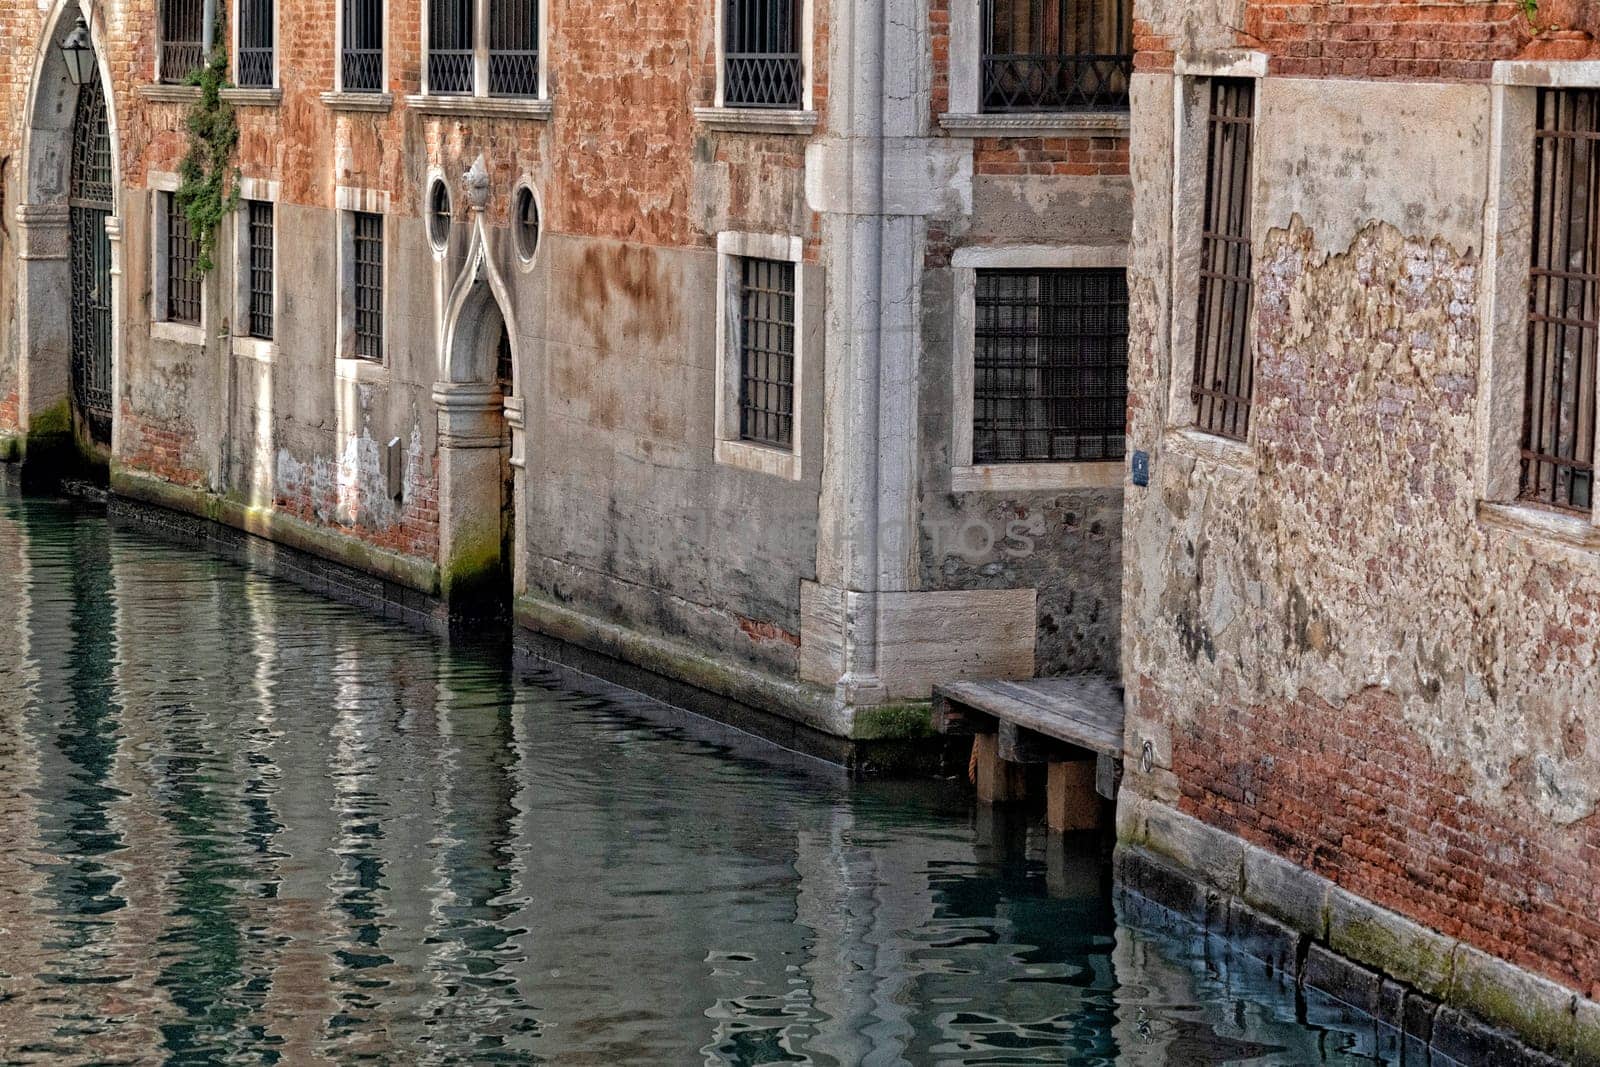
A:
[852, 571]
[1361, 671]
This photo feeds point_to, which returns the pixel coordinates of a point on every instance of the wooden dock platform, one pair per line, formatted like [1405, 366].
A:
[1081, 711]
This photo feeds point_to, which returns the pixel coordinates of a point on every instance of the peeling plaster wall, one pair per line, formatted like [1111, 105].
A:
[1329, 653]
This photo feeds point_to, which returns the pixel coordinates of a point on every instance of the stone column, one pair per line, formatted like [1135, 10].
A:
[470, 572]
[44, 330]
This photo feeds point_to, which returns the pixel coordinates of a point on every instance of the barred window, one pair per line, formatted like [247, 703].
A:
[182, 24]
[367, 297]
[1055, 55]
[1050, 373]
[1223, 367]
[508, 32]
[257, 32]
[513, 47]
[766, 351]
[450, 39]
[259, 252]
[361, 51]
[1559, 404]
[762, 65]
[183, 285]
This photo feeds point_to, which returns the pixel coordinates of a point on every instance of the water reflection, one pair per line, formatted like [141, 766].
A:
[239, 823]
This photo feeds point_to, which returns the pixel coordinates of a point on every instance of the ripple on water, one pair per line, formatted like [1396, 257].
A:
[239, 823]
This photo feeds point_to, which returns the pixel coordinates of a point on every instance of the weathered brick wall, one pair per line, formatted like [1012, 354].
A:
[1447, 40]
[1329, 650]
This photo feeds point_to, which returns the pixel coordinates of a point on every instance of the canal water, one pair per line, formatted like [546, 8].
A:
[240, 823]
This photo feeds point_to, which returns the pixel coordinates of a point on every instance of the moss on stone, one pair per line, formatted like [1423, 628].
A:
[897, 722]
[53, 421]
[1420, 961]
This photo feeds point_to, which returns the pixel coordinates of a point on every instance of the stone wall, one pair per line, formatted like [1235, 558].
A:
[1341, 643]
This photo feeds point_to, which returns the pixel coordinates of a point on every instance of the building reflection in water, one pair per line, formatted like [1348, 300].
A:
[236, 820]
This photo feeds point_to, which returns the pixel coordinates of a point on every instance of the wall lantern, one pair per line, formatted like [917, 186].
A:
[79, 54]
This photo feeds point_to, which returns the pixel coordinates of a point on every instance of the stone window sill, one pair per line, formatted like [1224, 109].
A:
[1047, 124]
[179, 333]
[759, 458]
[358, 101]
[162, 93]
[1022, 477]
[364, 371]
[756, 120]
[1224, 451]
[490, 107]
[1529, 521]
[262, 351]
[253, 97]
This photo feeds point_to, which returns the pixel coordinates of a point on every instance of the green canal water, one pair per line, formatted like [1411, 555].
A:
[240, 823]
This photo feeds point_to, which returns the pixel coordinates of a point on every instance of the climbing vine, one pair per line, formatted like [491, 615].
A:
[209, 181]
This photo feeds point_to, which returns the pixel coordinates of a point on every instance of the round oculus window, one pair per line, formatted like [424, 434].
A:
[525, 222]
[439, 214]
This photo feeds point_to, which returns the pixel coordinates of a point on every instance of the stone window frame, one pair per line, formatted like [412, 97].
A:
[257, 94]
[1191, 77]
[729, 449]
[966, 117]
[267, 191]
[363, 101]
[349, 200]
[966, 476]
[801, 121]
[162, 329]
[1503, 338]
[480, 103]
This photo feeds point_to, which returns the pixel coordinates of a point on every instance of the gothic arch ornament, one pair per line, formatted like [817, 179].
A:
[466, 353]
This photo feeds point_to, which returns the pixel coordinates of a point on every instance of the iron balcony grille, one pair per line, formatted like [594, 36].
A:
[183, 285]
[1056, 55]
[361, 59]
[259, 219]
[513, 47]
[1559, 400]
[762, 66]
[368, 246]
[182, 39]
[1223, 371]
[256, 46]
[450, 56]
[1050, 372]
[766, 352]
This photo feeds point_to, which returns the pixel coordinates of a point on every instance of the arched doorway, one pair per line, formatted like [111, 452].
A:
[90, 203]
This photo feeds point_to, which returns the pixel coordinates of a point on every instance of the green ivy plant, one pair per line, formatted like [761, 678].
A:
[209, 181]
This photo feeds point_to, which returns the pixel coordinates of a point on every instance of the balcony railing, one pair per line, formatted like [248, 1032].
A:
[1056, 55]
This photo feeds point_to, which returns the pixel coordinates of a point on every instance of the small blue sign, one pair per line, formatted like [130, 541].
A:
[1141, 468]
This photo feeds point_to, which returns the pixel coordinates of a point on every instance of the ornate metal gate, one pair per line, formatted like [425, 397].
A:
[91, 204]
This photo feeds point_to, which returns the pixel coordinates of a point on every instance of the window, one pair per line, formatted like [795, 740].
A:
[259, 252]
[182, 39]
[1559, 400]
[256, 61]
[361, 58]
[507, 32]
[766, 352]
[439, 215]
[1050, 365]
[762, 64]
[182, 250]
[1222, 382]
[525, 224]
[367, 284]
[1055, 55]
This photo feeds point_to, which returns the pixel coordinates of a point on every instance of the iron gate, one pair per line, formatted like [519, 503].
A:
[90, 206]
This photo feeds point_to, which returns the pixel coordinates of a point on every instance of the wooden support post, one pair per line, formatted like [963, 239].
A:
[1071, 802]
[998, 782]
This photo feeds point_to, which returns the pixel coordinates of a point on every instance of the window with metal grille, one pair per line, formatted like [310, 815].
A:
[259, 235]
[1223, 369]
[1056, 55]
[182, 38]
[361, 51]
[183, 285]
[762, 66]
[257, 33]
[513, 47]
[766, 352]
[450, 46]
[367, 297]
[1050, 366]
[1559, 402]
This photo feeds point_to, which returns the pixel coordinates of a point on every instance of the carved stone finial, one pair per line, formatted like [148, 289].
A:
[476, 181]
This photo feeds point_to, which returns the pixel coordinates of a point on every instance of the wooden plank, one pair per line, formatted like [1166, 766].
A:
[958, 720]
[1021, 745]
[1084, 712]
